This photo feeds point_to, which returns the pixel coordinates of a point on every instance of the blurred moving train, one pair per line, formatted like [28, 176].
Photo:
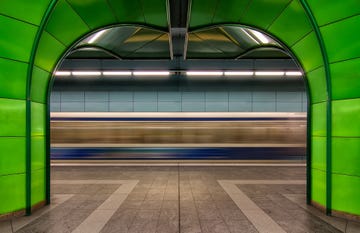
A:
[180, 135]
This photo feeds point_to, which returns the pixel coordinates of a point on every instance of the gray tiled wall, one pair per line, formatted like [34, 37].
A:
[178, 101]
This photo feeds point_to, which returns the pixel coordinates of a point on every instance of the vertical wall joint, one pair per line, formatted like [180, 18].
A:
[328, 105]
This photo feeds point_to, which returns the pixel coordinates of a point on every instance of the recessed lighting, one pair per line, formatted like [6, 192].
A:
[116, 73]
[269, 73]
[62, 73]
[96, 37]
[151, 73]
[293, 73]
[250, 36]
[86, 73]
[238, 73]
[260, 36]
[204, 73]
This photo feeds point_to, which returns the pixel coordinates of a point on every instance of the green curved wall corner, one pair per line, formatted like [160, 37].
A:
[37, 34]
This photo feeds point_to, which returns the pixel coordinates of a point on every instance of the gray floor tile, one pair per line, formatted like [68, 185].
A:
[214, 226]
[5, 227]
[184, 199]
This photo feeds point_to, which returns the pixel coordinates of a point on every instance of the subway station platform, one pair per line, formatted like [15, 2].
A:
[176, 197]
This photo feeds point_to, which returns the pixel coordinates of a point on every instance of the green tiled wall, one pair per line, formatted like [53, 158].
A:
[21, 36]
[318, 188]
[12, 117]
[345, 78]
[12, 196]
[12, 157]
[12, 79]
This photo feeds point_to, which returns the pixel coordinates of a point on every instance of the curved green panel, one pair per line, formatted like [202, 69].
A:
[15, 200]
[39, 84]
[16, 39]
[318, 186]
[155, 13]
[317, 85]
[346, 118]
[202, 12]
[49, 52]
[345, 79]
[291, 25]
[339, 34]
[349, 148]
[318, 148]
[94, 13]
[12, 157]
[20, 9]
[38, 113]
[38, 146]
[12, 118]
[318, 119]
[12, 79]
[308, 52]
[229, 11]
[65, 24]
[37, 186]
[127, 11]
[262, 13]
[327, 12]
[345, 192]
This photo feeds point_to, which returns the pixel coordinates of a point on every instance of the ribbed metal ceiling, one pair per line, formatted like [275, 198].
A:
[184, 38]
[135, 42]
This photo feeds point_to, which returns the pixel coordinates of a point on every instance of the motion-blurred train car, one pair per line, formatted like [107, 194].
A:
[250, 136]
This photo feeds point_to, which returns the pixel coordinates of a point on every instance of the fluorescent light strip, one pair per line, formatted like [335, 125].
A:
[116, 73]
[238, 73]
[293, 73]
[260, 36]
[204, 73]
[86, 73]
[96, 36]
[269, 73]
[188, 73]
[62, 73]
[151, 73]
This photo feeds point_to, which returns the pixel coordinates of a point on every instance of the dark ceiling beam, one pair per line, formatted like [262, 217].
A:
[179, 13]
[178, 16]
[188, 14]
[169, 29]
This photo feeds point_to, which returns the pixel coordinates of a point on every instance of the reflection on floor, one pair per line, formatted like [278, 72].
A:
[178, 199]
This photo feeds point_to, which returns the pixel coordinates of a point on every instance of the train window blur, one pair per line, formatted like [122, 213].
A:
[251, 107]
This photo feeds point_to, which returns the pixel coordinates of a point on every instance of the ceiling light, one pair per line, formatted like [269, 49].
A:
[252, 38]
[151, 73]
[204, 73]
[293, 73]
[117, 73]
[96, 36]
[260, 36]
[86, 73]
[239, 73]
[269, 73]
[62, 73]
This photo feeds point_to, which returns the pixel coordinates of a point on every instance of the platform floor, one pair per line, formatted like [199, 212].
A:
[186, 199]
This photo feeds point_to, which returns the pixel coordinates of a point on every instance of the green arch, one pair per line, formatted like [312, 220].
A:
[320, 34]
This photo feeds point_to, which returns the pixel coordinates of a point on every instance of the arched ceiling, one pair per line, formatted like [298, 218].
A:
[217, 42]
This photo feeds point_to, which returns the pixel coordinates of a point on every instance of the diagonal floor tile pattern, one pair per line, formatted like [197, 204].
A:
[186, 199]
